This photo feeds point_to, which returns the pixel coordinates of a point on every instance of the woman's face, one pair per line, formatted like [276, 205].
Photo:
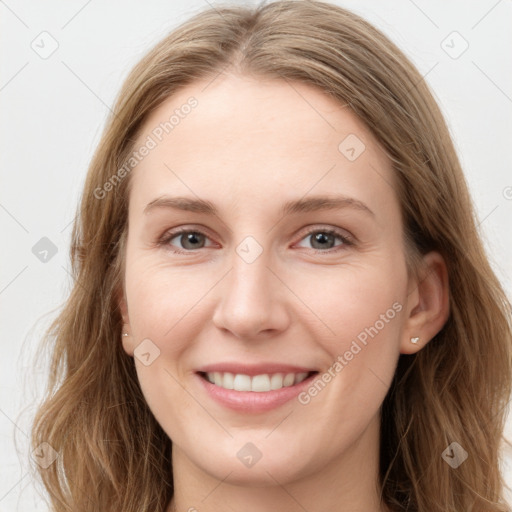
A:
[268, 284]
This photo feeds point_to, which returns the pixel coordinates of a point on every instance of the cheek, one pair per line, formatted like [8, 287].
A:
[159, 296]
[163, 302]
[364, 309]
[361, 313]
[353, 303]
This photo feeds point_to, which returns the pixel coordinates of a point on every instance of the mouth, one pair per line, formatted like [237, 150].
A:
[254, 392]
[262, 383]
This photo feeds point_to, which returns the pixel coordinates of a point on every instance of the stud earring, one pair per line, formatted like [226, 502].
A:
[415, 340]
[125, 334]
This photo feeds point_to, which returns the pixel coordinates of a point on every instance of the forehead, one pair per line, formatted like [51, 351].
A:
[246, 140]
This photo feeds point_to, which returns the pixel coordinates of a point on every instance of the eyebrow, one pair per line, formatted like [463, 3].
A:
[310, 204]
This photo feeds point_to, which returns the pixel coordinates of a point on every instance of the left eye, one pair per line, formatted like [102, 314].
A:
[324, 239]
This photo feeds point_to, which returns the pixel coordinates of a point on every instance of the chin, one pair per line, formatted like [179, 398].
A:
[241, 463]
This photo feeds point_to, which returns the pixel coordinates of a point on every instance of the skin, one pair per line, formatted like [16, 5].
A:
[249, 146]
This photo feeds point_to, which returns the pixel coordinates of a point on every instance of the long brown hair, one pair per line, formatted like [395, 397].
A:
[112, 454]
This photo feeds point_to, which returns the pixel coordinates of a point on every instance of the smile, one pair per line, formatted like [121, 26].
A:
[258, 383]
[253, 388]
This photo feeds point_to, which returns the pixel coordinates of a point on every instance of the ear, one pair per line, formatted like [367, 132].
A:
[428, 303]
[127, 341]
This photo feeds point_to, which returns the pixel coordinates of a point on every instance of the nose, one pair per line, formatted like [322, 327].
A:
[252, 300]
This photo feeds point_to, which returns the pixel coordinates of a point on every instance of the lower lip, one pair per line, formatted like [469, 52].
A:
[253, 401]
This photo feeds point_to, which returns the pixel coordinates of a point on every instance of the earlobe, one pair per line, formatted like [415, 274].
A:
[126, 338]
[127, 342]
[428, 304]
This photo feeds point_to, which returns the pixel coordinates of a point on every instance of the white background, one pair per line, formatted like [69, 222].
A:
[53, 111]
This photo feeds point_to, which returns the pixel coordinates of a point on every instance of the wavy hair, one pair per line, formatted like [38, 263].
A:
[113, 455]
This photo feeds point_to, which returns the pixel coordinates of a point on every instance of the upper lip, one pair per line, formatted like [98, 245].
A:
[253, 369]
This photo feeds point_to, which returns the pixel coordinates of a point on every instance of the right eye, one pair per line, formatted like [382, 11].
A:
[188, 239]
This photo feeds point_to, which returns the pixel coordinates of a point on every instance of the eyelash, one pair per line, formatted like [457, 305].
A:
[167, 237]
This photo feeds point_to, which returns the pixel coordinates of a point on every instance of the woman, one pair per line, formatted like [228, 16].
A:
[281, 301]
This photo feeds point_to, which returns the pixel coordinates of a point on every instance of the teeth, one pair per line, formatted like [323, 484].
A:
[241, 383]
[258, 383]
[289, 379]
[300, 377]
[276, 381]
[228, 381]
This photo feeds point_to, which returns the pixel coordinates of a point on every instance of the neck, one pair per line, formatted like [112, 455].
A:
[346, 482]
